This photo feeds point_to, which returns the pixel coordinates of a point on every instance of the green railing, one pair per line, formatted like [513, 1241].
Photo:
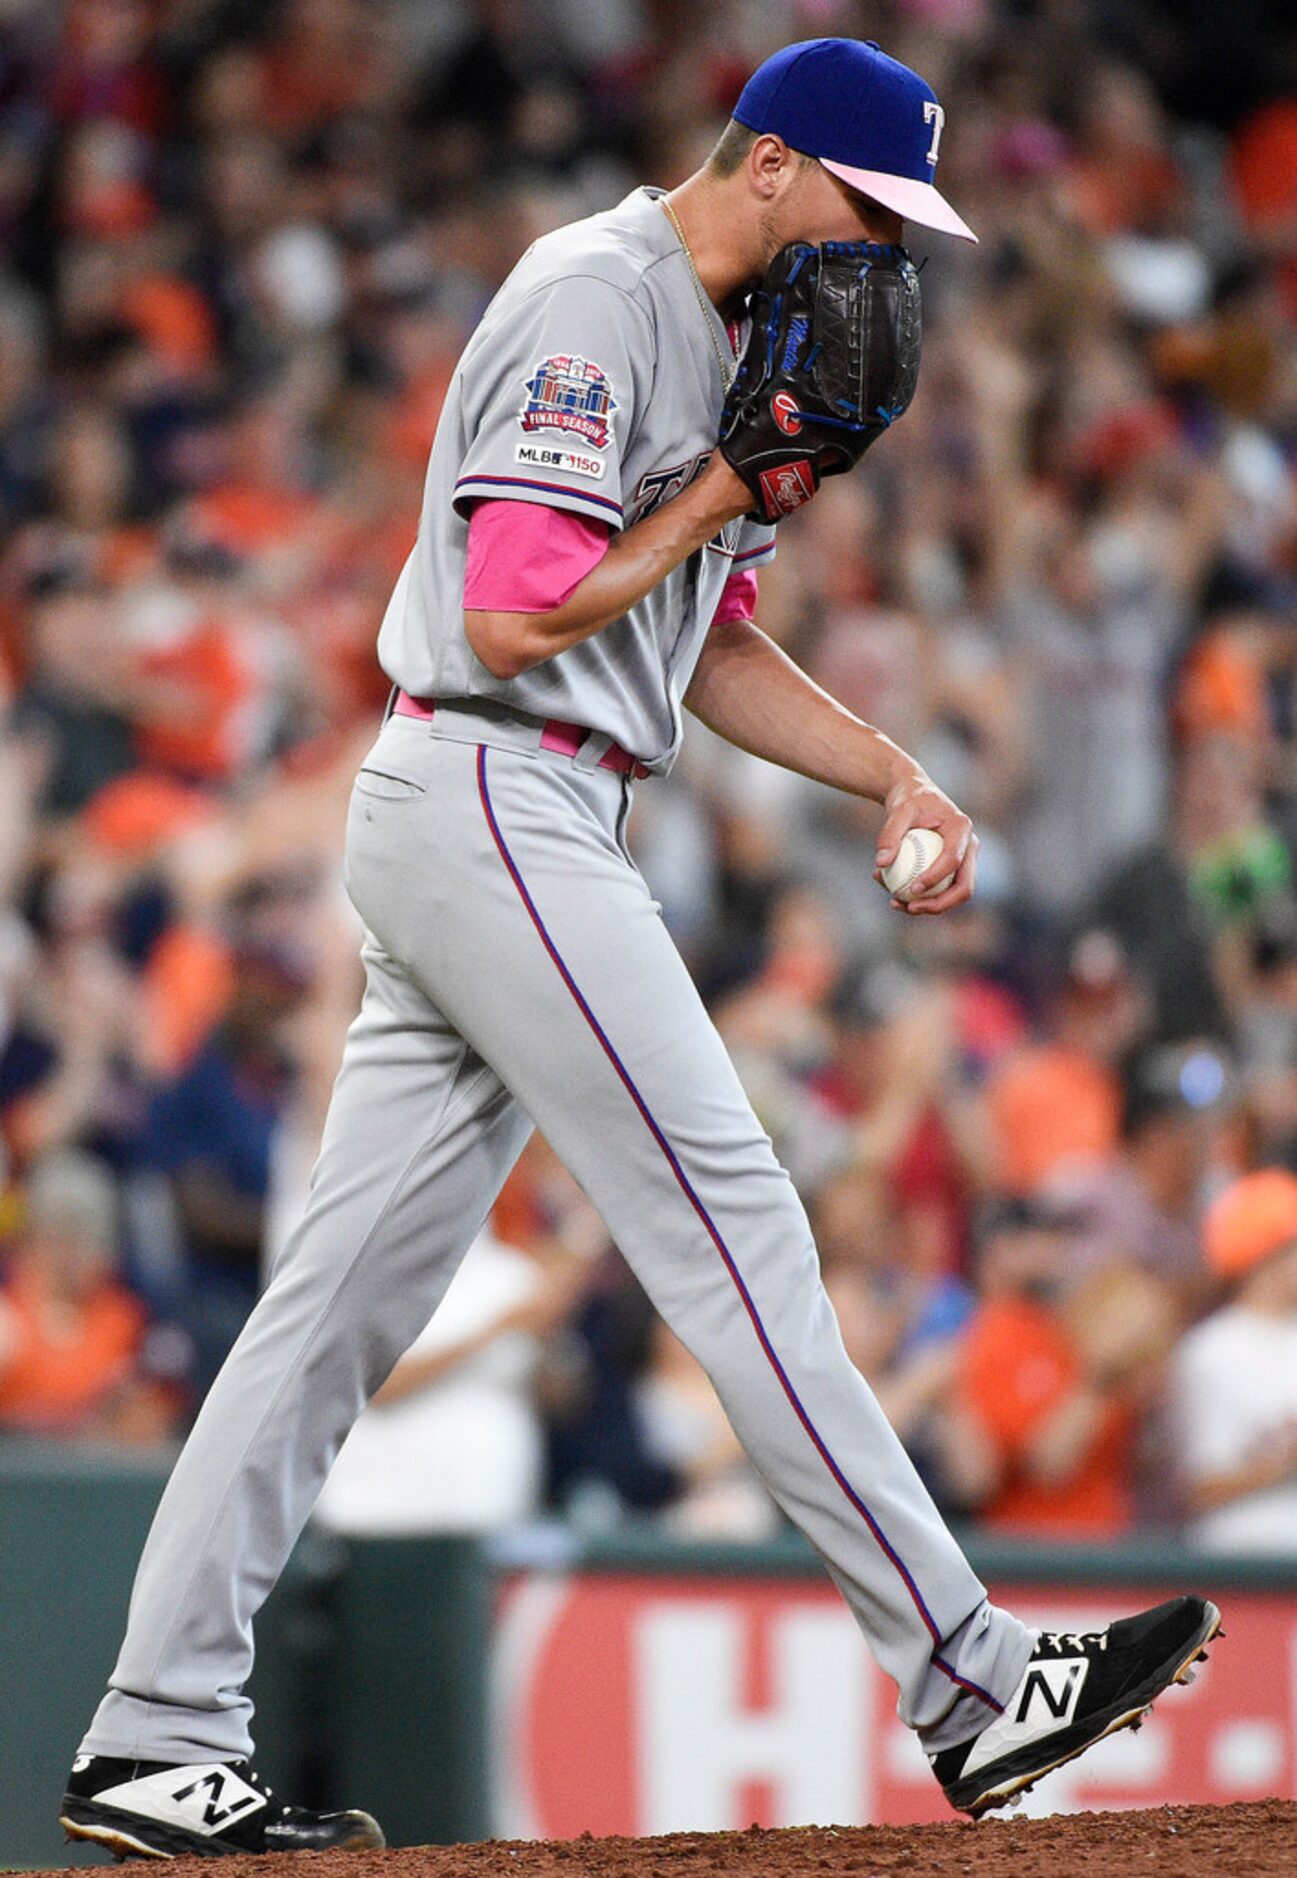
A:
[1153, 1560]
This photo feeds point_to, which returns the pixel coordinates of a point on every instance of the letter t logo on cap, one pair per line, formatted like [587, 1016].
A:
[934, 115]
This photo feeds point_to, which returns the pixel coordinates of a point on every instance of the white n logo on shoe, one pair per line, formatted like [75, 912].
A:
[1044, 1702]
[201, 1799]
[1057, 1684]
[214, 1814]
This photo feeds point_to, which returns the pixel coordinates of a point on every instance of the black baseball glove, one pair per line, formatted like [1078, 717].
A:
[832, 360]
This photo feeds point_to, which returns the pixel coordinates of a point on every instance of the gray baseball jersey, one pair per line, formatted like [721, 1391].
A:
[592, 384]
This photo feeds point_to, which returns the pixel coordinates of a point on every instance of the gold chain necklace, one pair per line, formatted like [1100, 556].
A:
[705, 306]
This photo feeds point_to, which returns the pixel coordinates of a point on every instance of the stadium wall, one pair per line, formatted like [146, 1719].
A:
[544, 1684]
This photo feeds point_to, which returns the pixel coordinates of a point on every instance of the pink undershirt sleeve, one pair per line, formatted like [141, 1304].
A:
[739, 600]
[524, 557]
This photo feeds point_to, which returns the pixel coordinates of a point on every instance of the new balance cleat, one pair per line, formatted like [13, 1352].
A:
[1077, 1688]
[215, 1809]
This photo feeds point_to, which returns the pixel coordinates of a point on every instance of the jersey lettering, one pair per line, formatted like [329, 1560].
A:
[726, 538]
[658, 486]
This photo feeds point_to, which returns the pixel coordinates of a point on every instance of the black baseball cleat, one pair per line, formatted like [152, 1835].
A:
[1076, 1688]
[215, 1809]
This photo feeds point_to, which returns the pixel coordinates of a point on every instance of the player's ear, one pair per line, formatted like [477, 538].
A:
[771, 166]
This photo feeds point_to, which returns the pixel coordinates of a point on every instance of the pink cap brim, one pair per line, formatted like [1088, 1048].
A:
[917, 202]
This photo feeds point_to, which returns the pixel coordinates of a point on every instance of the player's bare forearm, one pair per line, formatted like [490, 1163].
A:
[751, 693]
[637, 560]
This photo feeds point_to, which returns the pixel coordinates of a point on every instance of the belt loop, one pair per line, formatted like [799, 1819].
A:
[596, 745]
[390, 706]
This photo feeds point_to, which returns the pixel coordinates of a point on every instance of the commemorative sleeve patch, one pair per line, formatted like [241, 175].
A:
[552, 456]
[569, 393]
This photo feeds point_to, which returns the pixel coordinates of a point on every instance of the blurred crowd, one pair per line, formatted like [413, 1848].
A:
[1049, 1143]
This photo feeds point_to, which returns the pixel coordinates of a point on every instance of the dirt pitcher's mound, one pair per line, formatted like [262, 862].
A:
[1254, 1841]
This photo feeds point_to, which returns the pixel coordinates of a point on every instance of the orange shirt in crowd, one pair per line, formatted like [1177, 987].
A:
[173, 318]
[518, 1216]
[415, 415]
[137, 813]
[1018, 1369]
[248, 518]
[1222, 688]
[1046, 1104]
[187, 985]
[1265, 176]
[57, 1369]
[1120, 190]
[209, 736]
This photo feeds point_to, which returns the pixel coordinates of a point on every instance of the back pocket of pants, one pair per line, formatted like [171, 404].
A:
[388, 787]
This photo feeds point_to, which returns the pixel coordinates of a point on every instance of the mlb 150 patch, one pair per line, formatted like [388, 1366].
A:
[555, 456]
[567, 392]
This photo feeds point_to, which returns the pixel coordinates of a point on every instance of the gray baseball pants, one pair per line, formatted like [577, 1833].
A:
[518, 973]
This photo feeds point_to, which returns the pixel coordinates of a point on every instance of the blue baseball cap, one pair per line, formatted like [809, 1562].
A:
[869, 119]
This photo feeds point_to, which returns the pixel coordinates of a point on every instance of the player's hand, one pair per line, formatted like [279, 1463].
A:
[726, 492]
[916, 802]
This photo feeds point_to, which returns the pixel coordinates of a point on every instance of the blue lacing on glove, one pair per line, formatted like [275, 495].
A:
[773, 323]
[838, 423]
[867, 250]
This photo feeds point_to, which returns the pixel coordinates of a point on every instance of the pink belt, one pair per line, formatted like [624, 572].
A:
[563, 739]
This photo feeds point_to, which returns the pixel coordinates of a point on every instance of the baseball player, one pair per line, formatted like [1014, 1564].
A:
[585, 570]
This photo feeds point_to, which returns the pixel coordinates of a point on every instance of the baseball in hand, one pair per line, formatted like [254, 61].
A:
[919, 849]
